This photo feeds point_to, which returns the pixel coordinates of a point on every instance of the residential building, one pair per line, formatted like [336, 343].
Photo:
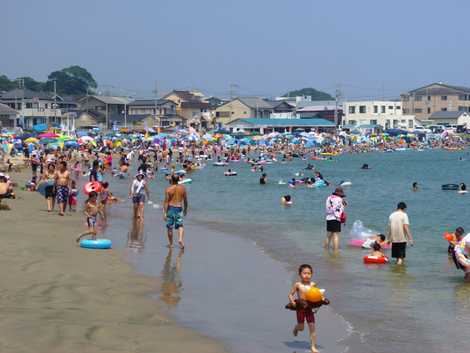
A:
[387, 114]
[450, 118]
[33, 107]
[243, 107]
[189, 104]
[153, 112]
[326, 111]
[7, 116]
[436, 97]
[266, 125]
[110, 109]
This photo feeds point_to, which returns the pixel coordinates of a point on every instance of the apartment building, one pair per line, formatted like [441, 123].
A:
[436, 97]
[387, 114]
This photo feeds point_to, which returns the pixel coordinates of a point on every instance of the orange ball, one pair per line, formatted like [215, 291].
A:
[314, 295]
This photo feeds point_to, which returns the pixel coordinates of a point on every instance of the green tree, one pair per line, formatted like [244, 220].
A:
[32, 84]
[6, 84]
[73, 80]
[312, 92]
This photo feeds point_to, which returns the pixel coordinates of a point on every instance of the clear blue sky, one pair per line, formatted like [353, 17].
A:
[370, 47]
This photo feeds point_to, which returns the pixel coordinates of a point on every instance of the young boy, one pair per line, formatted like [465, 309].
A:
[304, 310]
[92, 209]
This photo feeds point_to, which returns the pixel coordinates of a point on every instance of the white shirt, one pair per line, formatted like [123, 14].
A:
[334, 208]
[396, 233]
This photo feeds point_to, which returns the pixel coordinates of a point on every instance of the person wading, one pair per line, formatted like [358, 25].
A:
[175, 207]
[335, 215]
[399, 234]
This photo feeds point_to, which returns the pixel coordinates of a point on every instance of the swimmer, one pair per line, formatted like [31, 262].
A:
[286, 200]
[376, 250]
[415, 187]
[365, 166]
[304, 313]
[379, 239]
[263, 179]
[456, 237]
[462, 187]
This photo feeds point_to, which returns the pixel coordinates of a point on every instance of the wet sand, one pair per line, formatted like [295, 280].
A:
[57, 297]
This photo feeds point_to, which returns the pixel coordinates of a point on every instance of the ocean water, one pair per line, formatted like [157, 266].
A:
[423, 306]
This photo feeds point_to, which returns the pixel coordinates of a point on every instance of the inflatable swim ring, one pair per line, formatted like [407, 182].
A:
[346, 183]
[230, 173]
[220, 164]
[96, 244]
[368, 259]
[329, 154]
[462, 191]
[92, 186]
[180, 172]
[320, 183]
[450, 187]
[185, 181]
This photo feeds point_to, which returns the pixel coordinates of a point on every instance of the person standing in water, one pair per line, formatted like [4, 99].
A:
[137, 192]
[399, 233]
[335, 204]
[175, 207]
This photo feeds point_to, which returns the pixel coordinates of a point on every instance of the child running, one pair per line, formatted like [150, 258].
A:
[303, 309]
[91, 211]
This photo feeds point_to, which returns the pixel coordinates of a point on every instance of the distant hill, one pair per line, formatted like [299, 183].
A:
[312, 92]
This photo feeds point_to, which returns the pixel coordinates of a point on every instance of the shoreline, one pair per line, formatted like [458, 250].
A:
[209, 290]
[61, 298]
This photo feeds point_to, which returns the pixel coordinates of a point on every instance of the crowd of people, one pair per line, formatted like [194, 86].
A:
[59, 175]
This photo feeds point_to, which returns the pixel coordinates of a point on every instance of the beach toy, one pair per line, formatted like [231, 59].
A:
[450, 187]
[185, 181]
[462, 191]
[314, 295]
[448, 236]
[180, 172]
[346, 183]
[232, 173]
[357, 243]
[320, 183]
[220, 164]
[96, 244]
[92, 186]
[375, 259]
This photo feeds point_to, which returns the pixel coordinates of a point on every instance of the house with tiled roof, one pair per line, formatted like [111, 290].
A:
[8, 116]
[427, 100]
[189, 104]
[244, 107]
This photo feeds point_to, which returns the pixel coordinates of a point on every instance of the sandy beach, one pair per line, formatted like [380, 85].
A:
[61, 298]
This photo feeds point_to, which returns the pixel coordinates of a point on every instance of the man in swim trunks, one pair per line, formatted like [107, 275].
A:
[175, 207]
[62, 182]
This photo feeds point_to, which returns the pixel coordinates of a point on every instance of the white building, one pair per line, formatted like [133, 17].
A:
[387, 114]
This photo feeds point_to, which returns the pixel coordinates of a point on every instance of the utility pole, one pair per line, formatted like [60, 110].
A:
[337, 98]
[232, 89]
[155, 92]
[55, 101]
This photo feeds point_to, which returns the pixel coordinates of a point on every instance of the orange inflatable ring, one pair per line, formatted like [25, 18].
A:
[92, 186]
[449, 236]
[375, 259]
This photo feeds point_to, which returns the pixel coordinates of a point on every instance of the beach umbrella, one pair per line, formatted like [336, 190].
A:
[31, 140]
[48, 135]
[46, 141]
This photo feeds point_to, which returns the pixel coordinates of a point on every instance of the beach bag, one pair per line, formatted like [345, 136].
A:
[343, 217]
